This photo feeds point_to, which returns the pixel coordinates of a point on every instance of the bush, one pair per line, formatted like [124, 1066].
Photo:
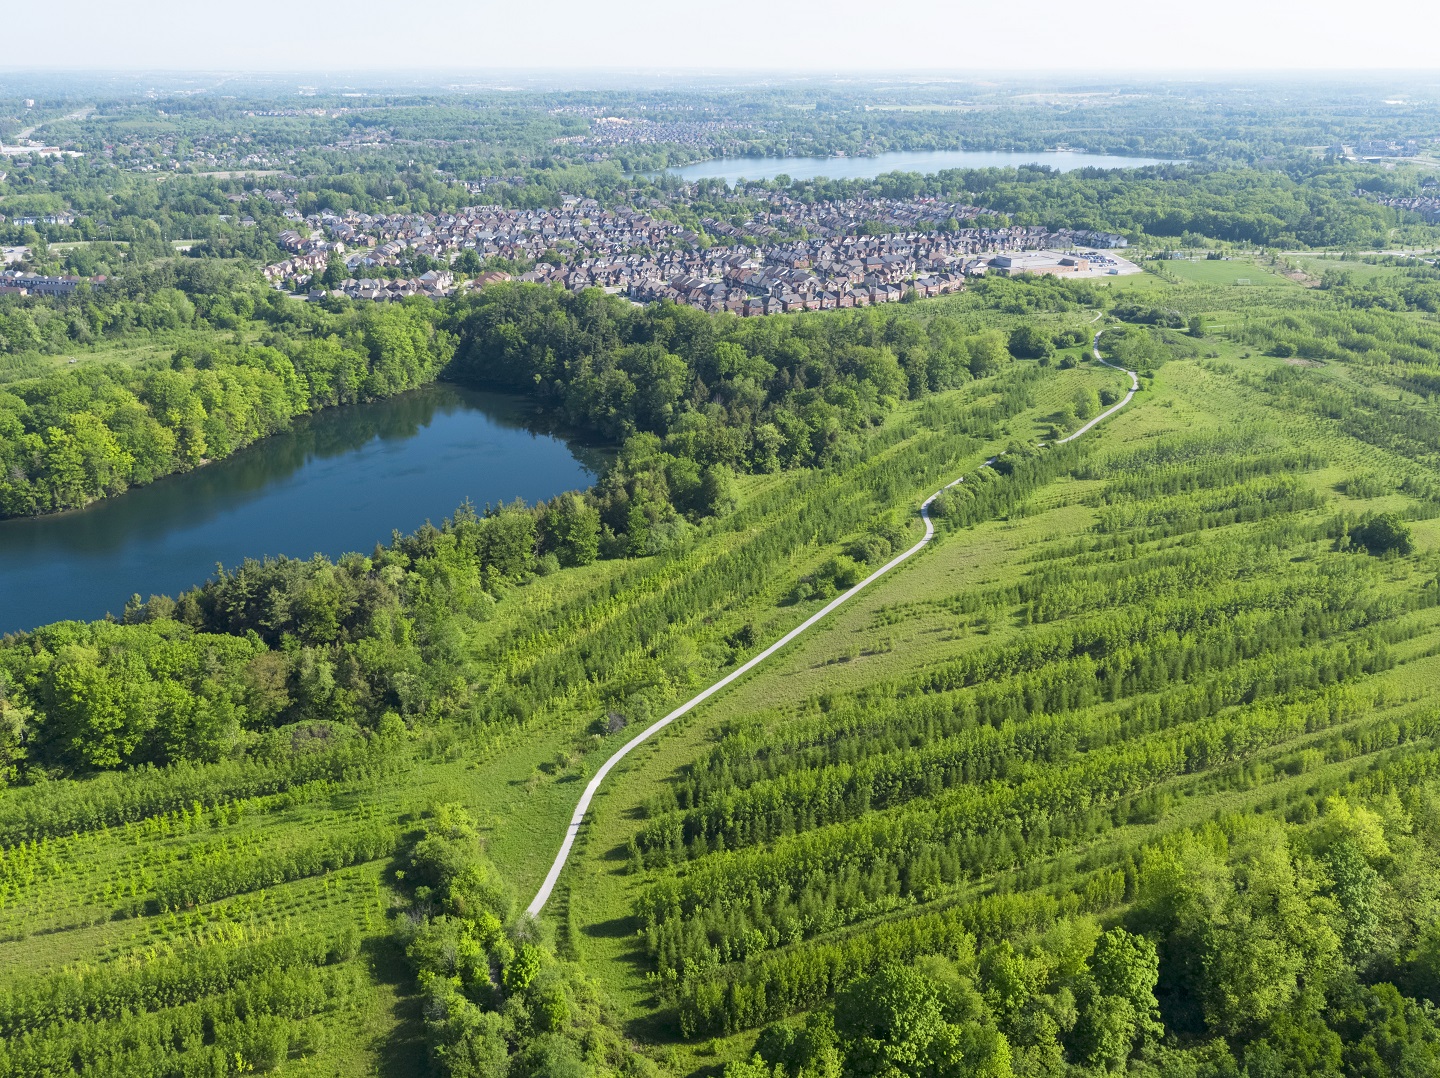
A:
[1364, 486]
[1382, 533]
[1030, 342]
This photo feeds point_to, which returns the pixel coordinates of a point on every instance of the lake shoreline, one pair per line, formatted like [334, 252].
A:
[926, 162]
[341, 479]
[297, 421]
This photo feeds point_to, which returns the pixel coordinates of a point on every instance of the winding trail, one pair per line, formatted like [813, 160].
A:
[1134, 388]
[593, 787]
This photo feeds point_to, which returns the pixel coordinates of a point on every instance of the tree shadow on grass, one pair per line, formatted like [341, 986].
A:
[659, 1025]
[403, 1052]
[613, 929]
[617, 852]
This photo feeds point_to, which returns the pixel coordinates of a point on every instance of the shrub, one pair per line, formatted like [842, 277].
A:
[1382, 533]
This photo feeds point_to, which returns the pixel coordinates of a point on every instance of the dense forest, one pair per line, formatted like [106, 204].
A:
[86, 432]
[720, 396]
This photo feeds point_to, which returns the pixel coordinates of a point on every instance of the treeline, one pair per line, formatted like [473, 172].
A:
[751, 394]
[1300, 204]
[287, 766]
[1415, 286]
[1305, 205]
[77, 434]
[147, 297]
[718, 394]
[219, 872]
[695, 398]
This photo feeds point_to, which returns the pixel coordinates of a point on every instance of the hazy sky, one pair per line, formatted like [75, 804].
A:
[830, 36]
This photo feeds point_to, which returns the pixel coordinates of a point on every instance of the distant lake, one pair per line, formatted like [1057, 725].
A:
[341, 480]
[731, 169]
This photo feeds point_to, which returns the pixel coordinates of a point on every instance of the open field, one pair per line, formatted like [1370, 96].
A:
[1229, 273]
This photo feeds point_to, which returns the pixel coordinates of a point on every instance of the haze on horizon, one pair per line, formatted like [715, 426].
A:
[1061, 37]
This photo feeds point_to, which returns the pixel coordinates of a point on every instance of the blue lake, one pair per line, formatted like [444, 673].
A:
[925, 161]
[341, 480]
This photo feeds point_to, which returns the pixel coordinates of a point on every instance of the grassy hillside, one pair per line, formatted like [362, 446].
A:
[1184, 632]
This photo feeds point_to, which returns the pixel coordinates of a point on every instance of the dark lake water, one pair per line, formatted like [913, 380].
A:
[339, 481]
[924, 161]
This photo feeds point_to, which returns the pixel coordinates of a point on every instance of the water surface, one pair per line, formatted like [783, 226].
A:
[925, 161]
[339, 481]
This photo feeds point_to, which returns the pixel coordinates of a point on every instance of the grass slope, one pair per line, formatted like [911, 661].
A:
[1084, 554]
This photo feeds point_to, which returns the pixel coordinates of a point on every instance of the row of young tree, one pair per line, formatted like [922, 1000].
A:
[1190, 659]
[254, 1022]
[284, 768]
[208, 875]
[1115, 656]
[102, 993]
[1268, 946]
[806, 885]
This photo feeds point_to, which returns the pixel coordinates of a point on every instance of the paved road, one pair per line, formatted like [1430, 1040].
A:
[1134, 387]
[543, 895]
[78, 114]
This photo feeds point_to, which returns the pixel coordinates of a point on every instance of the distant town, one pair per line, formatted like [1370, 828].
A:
[790, 256]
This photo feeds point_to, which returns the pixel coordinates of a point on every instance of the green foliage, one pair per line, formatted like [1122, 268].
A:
[461, 933]
[1031, 342]
[1364, 486]
[206, 1010]
[74, 435]
[1311, 205]
[572, 530]
[1143, 349]
[1381, 534]
[317, 648]
[747, 394]
[104, 695]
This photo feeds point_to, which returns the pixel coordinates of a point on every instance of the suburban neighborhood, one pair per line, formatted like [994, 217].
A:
[788, 256]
